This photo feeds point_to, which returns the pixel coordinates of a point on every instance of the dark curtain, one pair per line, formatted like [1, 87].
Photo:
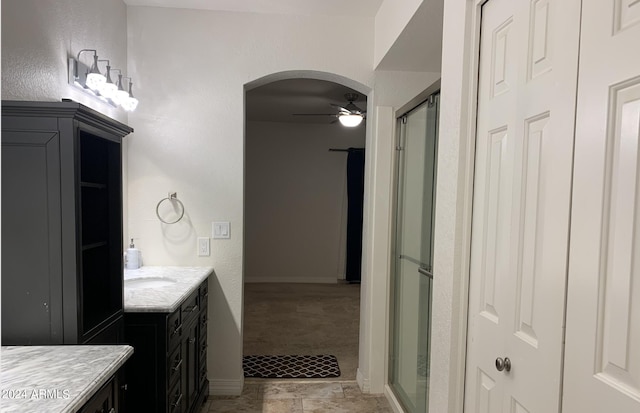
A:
[355, 198]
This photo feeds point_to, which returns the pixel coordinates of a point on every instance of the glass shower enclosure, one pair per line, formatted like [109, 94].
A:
[412, 276]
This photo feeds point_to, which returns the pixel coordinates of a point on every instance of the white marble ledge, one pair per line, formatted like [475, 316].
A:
[163, 299]
[55, 379]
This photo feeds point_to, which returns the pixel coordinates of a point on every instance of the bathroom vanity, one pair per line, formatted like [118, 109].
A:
[166, 322]
[63, 379]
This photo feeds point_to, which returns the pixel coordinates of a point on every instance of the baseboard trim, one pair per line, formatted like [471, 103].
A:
[391, 398]
[295, 280]
[226, 387]
[363, 382]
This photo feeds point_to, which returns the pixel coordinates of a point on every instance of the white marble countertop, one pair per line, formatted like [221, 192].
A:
[162, 299]
[60, 379]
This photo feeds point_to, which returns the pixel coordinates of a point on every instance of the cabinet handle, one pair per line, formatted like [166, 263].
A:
[192, 340]
[192, 309]
[125, 387]
[177, 366]
[177, 402]
[112, 410]
[177, 330]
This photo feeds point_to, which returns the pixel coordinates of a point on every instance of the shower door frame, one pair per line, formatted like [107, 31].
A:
[413, 104]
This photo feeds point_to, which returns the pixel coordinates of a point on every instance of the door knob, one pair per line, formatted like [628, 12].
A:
[503, 364]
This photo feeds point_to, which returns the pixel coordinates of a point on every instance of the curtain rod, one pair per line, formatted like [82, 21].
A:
[345, 150]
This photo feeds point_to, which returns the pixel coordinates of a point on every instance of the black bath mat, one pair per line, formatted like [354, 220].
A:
[291, 367]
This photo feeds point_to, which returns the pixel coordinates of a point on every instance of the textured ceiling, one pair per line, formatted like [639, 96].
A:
[364, 8]
[278, 101]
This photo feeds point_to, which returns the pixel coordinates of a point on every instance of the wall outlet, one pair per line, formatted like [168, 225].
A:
[221, 230]
[203, 247]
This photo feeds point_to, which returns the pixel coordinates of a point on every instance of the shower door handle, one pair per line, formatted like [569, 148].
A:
[426, 272]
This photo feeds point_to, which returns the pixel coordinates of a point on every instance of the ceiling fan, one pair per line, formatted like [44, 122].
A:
[349, 115]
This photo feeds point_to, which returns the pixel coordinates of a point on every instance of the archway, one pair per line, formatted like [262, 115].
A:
[277, 241]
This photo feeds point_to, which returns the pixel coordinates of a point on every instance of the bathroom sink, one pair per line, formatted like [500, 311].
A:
[148, 282]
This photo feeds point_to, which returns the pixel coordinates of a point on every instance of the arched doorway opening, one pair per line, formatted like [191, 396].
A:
[297, 299]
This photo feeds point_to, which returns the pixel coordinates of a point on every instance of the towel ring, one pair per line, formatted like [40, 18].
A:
[173, 196]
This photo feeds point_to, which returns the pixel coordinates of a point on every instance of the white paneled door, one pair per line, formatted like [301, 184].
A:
[522, 193]
[602, 362]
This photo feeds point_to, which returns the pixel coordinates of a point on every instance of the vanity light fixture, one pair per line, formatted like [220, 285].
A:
[130, 103]
[121, 95]
[92, 81]
[350, 120]
[108, 88]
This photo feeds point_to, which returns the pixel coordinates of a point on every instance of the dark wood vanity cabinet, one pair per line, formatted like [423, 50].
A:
[108, 399]
[167, 372]
[61, 224]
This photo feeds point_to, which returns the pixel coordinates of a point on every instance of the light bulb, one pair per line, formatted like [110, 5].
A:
[108, 88]
[95, 79]
[129, 104]
[351, 120]
[120, 95]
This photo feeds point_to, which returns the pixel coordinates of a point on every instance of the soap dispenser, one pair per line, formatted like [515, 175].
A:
[133, 257]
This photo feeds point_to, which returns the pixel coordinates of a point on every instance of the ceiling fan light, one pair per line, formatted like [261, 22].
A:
[351, 120]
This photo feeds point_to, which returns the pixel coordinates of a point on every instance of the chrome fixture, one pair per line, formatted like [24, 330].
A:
[90, 79]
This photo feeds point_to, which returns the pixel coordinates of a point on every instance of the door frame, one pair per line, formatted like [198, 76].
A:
[454, 212]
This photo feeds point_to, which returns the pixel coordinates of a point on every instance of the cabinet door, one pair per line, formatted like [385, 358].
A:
[31, 233]
[104, 401]
[191, 347]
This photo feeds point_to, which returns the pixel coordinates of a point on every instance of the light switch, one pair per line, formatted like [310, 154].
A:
[203, 247]
[221, 230]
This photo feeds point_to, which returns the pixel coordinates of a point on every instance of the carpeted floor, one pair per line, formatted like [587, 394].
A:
[304, 319]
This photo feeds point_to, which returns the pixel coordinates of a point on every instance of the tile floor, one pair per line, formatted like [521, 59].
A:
[302, 319]
[270, 396]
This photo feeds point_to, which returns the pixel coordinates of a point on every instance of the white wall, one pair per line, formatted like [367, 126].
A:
[190, 136]
[391, 19]
[39, 36]
[453, 207]
[296, 201]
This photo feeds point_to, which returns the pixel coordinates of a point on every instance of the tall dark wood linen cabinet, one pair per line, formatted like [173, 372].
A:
[61, 224]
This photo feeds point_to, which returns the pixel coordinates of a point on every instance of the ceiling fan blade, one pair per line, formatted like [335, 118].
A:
[313, 114]
[353, 108]
[340, 107]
